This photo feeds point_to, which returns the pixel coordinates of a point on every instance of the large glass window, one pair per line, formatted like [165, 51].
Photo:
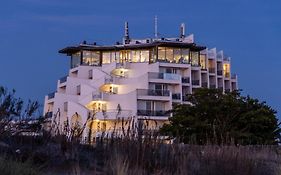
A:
[185, 56]
[169, 55]
[173, 55]
[177, 55]
[75, 59]
[125, 56]
[91, 58]
[226, 70]
[136, 56]
[117, 57]
[194, 58]
[144, 56]
[106, 57]
[161, 54]
[203, 61]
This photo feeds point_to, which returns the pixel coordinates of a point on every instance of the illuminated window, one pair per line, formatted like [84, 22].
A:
[185, 55]
[161, 54]
[194, 58]
[226, 70]
[203, 62]
[177, 55]
[136, 54]
[144, 56]
[106, 57]
[91, 58]
[169, 55]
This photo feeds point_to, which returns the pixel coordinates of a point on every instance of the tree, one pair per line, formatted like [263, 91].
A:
[13, 116]
[217, 118]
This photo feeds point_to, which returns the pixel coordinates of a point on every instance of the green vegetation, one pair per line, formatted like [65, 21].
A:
[62, 153]
[217, 118]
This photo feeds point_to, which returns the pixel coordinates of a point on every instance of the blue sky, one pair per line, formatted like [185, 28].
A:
[32, 32]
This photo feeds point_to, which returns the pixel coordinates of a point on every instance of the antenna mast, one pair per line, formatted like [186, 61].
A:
[126, 33]
[155, 27]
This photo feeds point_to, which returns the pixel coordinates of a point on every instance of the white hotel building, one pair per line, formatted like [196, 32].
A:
[142, 78]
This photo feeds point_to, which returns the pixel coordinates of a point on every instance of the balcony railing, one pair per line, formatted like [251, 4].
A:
[205, 84]
[233, 76]
[166, 76]
[97, 96]
[63, 79]
[227, 90]
[195, 82]
[212, 70]
[152, 113]
[51, 95]
[227, 74]
[176, 96]
[184, 98]
[185, 80]
[153, 92]
[219, 72]
[108, 80]
[212, 86]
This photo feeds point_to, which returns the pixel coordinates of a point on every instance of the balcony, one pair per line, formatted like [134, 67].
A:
[204, 84]
[153, 113]
[227, 90]
[233, 76]
[153, 92]
[51, 95]
[226, 74]
[113, 114]
[185, 80]
[184, 98]
[176, 96]
[219, 72]
[195, 82]
[164, 77]
[63, 79]
[212, 70]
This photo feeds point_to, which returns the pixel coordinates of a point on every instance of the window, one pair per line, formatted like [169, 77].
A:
[136, 55]
[203, 62]
[90, 74]
[78, 90]
[75, 60]
[91, 58]
[106, 57]
[65, 104]
[144, 56]
[226, 70]
[177, 55]
[161, 54]
[169, 55]
[194, 58]
[185, 56]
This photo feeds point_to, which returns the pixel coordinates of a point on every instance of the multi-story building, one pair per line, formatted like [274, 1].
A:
[136, 80]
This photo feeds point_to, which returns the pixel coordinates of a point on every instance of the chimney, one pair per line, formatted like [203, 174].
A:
[126, 36]
[182, 30]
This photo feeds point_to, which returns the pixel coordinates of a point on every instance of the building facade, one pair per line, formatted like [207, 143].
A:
[109, 88]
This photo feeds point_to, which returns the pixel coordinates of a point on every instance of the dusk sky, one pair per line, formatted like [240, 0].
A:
[32, 32]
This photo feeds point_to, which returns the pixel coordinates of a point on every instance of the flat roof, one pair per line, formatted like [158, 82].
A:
[88, 47]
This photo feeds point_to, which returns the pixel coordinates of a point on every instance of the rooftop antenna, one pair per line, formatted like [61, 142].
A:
[155, 27]
[126, 36]
[182, 30]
